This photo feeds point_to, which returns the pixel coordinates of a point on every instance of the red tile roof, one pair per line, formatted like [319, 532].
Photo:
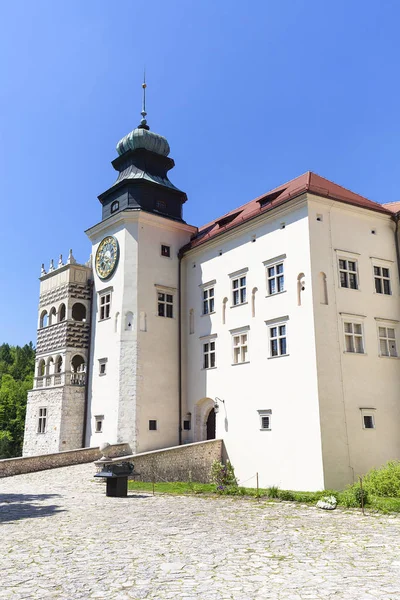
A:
[394, 207]
[309, 182]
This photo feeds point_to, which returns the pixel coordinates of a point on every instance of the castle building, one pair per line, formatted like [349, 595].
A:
[275, 328]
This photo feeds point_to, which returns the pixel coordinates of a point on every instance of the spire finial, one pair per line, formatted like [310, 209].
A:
[143, 122]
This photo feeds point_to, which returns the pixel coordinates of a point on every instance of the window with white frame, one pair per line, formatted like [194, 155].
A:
[382, 280]
[387, 341]
[98, 423]
[275, 275]
[165, 303]
[208, 300]
[240, 340]
[42, 421]
[368, 418]
[105, 306]
[103, 366]
[265, 419]
[239, 290]
[277, 339]
[348, 276]
[209, 354]
[353, 337]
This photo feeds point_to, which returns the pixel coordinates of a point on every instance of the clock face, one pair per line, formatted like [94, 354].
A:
[107, 257]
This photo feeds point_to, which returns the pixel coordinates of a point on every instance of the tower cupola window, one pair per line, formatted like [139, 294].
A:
[161, 206]
[114, 206]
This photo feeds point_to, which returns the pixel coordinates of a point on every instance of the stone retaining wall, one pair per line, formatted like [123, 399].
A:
[28, 464]
[179, 463]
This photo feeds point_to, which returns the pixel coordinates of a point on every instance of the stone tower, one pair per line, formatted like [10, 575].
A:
[55, 416]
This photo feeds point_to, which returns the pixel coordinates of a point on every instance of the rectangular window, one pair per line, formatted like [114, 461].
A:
[208, 301]
[240, 348]
[239, 290]
[102, 366]
[209, 355]
[277, 340]
[382, 280]
[165, 250]
[98, 423]
[165, 305]
[42, 421]
[348, 274]
[105, 306]
[368, 421]
[353, 337]
[275, 278]
[265, 419]
[186, 425]
[152, 425]
[387, 341]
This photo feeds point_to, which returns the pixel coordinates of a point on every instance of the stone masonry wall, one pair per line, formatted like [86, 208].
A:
[38, 443]
[72, 414]
[17, 466]
[180, 463]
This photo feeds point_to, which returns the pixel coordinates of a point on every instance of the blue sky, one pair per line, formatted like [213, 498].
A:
[249, 95]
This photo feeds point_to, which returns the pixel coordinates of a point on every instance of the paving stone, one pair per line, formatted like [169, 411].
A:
[61, 537]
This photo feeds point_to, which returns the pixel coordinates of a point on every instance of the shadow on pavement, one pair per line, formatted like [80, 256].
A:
[14, 507]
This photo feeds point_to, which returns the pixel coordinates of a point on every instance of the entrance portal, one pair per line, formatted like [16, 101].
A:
[210, 425]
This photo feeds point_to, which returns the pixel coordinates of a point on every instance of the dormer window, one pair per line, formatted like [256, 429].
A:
[114, 206]
[228, 219]
[161, 206]
[269, 198]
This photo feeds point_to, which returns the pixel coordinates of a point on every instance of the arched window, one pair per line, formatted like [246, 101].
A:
[114, 206]
[78, 364]
[58, 364]
[41, 368]
[323, 288]
[78, 368]
[61, 313]
[301, 286]
[44, 319]
[224, 302]
[253, 302]
[49, 366]
[52, 316]
[79, 312]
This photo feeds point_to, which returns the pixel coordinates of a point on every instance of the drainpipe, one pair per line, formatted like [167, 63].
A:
[86, 401]
[180, 256]
[396, 240]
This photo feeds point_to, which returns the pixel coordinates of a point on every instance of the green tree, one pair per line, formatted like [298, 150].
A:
[16, 378]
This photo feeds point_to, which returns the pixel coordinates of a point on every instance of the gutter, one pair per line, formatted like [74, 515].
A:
[396, 241]
[180, 256]
[86, 401]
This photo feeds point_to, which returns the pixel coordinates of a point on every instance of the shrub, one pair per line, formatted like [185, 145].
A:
[223, 476]
[384, 481]
[361, 495]
[273, 491]
[286, 495]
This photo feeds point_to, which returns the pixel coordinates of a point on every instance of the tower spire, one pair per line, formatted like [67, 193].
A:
[143, 122]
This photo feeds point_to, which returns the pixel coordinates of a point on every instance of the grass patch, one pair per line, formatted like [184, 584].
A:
[173, 487]
[346, 498]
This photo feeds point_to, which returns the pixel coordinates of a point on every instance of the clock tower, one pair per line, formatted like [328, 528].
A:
[133, 392]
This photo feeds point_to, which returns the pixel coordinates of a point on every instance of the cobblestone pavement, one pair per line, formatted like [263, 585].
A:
[61, 537]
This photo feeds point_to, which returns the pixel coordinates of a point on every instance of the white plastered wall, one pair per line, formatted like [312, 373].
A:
[290, 454]
[349, 382]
